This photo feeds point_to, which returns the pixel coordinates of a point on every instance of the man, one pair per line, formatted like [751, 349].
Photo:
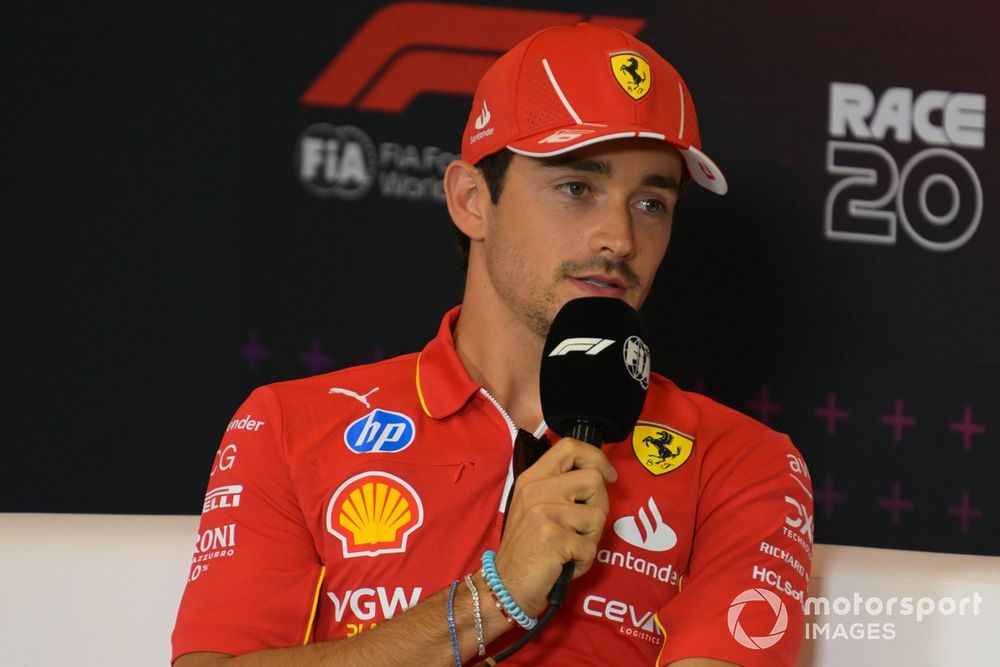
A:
[339, 501]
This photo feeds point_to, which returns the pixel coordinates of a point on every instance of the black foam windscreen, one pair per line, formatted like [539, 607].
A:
[595, 367]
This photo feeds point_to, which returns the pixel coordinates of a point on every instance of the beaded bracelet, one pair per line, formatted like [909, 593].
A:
[451, 624]
[493, 596]
[503, 595]
[476, 614]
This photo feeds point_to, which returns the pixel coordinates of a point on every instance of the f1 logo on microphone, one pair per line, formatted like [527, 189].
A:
[409, 48]
[589, 346]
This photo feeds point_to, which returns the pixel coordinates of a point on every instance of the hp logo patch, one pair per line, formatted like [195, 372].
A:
[380, 431]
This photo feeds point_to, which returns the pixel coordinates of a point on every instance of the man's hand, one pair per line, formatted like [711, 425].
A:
[556, 515]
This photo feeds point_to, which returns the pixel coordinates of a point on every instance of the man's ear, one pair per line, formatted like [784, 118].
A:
[468, 198]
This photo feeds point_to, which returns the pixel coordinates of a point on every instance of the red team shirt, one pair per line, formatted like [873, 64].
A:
[340, 500]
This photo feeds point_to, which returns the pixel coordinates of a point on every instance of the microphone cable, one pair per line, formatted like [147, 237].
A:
[590, 433]
[556, 596]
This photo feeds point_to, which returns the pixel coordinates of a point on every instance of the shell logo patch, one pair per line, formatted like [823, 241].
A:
[660, 449]
[374, 513]
[632, 73]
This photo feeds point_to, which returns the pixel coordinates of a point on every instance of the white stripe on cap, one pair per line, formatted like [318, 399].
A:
[573, 147]
[680, 90]
[559, 92]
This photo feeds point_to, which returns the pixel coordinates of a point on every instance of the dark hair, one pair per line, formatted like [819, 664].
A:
[493, 167]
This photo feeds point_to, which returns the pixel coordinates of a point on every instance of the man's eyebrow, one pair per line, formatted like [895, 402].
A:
[569, 163]
[603, 167]
[660, 181]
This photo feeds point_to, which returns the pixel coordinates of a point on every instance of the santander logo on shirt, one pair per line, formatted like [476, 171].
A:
[646, 530]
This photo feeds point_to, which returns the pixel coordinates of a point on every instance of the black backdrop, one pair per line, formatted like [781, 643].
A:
[199, 205]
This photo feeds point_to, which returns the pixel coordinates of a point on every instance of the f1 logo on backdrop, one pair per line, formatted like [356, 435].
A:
[409, 48]
[404, 50]
[936, 196]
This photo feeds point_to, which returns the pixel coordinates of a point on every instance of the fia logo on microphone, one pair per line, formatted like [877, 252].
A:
[636, 354]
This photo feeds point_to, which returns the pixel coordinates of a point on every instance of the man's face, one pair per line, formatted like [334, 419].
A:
[593, 222]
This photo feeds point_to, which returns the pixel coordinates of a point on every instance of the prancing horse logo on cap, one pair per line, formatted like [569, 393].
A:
[632, 73]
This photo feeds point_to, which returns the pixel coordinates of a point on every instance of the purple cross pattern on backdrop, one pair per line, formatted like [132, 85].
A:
[828, 496]
[967, 428]
[896, 503]
[763, 407]
[254, 352]
[965, 511]
[315, 358]
[831, 413]
[898, 420]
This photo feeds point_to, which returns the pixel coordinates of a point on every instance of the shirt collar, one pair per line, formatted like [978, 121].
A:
[443, 384]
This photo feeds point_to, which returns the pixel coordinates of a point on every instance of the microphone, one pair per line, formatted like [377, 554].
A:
[593, 379]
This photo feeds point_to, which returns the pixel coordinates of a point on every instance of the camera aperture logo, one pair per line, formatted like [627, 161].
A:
[757, 597]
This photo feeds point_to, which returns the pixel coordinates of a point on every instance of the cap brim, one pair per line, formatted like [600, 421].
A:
[550, 143]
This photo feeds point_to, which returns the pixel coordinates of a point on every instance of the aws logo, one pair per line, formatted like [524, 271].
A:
[409, 48]
[374, 513]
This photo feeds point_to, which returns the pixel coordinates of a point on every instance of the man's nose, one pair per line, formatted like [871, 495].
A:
[613, 232]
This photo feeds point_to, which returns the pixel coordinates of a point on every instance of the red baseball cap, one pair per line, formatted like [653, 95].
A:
[568, 87]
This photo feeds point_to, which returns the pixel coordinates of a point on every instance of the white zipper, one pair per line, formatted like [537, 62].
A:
[508, 483]
[510, 421]
[512, 427]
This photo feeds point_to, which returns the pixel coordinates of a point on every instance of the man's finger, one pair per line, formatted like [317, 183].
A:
[569, 454]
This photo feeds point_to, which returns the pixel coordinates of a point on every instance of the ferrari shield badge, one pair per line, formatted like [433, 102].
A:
[632, 73]
[660, 449]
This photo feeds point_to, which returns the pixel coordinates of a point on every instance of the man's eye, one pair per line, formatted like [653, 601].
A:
[652, 206]
[574, 188]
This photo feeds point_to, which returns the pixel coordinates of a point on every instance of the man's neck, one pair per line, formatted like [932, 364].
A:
[502, 355]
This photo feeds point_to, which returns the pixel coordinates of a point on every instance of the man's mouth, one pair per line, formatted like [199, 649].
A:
[607, 285]
[600, 283]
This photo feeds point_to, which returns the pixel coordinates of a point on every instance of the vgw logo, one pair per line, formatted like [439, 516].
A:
[379, 431]
[368, 605]
[936, 196]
